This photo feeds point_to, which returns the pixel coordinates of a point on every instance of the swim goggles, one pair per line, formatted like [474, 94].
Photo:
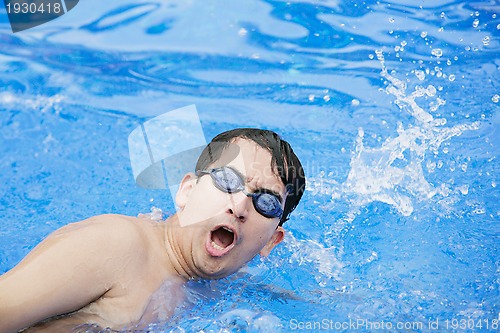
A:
[228, 180]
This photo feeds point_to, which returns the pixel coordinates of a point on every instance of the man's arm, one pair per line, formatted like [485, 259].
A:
[65, 272]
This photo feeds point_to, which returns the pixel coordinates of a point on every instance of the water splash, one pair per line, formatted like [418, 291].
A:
[393, 173]
[156, 215]
[324, 258]
[40, 103]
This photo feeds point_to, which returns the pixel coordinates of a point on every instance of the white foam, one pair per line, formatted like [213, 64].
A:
[156, 214]
[39, 102]
[393, 172]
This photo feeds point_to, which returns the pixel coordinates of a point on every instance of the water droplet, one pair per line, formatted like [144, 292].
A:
[475, 24]
[419, 91]
[498, 26]
[464, 189]
[431, 90]
[380, 55]
[451, 77]
[355, 102]
[311, 98]
[495, 98]
[423, 34]
[437, 52]
[431, 166]
[443, 15]
[371, 56]
[486, 40]
[326, 98]
[420, 74]
[479, 211]
[391, 19]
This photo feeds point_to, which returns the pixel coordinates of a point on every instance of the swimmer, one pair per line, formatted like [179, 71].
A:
[121, 273]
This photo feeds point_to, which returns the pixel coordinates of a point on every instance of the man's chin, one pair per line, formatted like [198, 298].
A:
[211, 274]
[213, 268]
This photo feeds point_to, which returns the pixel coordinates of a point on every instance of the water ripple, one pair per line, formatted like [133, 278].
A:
[121, 16]
[368, 242]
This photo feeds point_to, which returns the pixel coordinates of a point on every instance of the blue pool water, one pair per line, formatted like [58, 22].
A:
[393, 107]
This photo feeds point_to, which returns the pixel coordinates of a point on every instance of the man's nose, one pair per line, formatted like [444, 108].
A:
[239, 205]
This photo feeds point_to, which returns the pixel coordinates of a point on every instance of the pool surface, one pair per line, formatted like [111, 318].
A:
[392, 106]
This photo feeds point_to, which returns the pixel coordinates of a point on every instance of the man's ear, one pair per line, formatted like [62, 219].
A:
[185, 187]
[277, 237]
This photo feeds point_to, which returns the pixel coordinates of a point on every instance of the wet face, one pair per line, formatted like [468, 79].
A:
[220, 232]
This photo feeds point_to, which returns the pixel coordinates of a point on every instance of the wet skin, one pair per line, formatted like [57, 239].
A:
[117, 271]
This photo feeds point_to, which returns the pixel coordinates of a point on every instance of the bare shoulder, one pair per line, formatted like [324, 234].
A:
[102, 223]
[103, 235]
[109, 222]
[71, 268]
[111, 227]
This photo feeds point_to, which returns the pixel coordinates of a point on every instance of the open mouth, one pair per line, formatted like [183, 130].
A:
[221, 241]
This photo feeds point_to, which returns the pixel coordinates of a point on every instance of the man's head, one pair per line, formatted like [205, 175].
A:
[284, 163]
[226, 228]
